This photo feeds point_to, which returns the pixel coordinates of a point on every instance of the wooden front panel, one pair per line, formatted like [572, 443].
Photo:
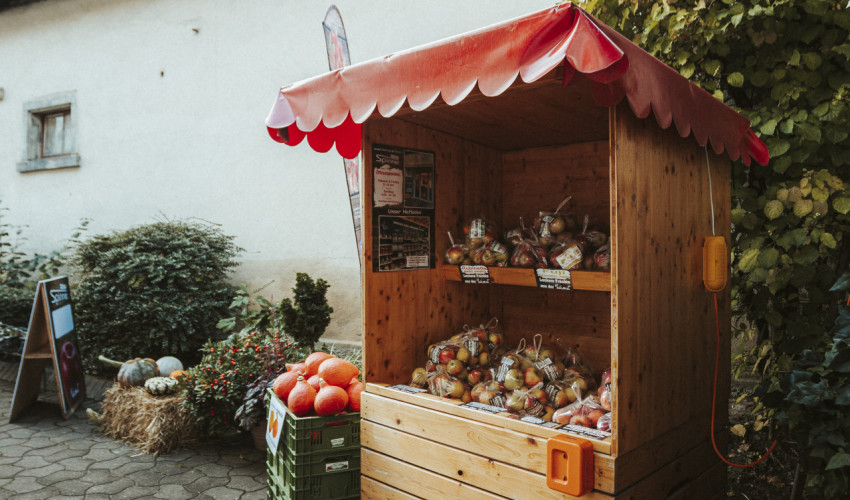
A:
[405, 311]
[663, 326]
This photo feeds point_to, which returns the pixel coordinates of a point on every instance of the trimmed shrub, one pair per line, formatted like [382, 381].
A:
[153, 290]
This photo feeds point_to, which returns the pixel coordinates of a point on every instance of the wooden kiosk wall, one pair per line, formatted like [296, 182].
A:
[650, 318]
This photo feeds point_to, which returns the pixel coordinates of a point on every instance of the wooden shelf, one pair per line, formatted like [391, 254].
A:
[582, 280]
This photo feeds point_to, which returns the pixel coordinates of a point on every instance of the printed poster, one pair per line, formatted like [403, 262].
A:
[402, 209]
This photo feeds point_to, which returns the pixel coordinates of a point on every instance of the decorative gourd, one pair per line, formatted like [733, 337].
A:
[284, 383]
[330, 399]
[301, 398]
[176, 374]
[168, 364]
[313, 361]
[338, 372]
[160, 386]
[354, 391]
[133, 372]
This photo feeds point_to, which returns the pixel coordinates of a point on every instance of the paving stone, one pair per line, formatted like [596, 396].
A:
[147, 477]
[255, 495]
[247, 483]
[131, 467]
[10, 441]
[73, 486]
[117, 485]
[204, 484]
[32, 462]
[63, 475]
[21, 432]
[5, 481]
[99, 455]
[223, 492]
[250, 470]
[173, 492]
[8, 460]
[40, 471]
[10, 471]
[47, 451]
[16, 451]
[23, 485]
[212, 470]
[38, 442]
[187, 477]
[63, 454]
[166, 468]
[137, 492]
[76, 463]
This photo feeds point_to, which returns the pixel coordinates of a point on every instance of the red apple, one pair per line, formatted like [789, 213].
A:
[581, 420]
[532, 376]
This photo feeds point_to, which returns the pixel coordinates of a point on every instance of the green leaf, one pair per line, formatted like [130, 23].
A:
[712, 67]
[828, 240]
[773, 209]
[843, 49]
[768, 258]
[748, 260]
[781, 164]
[841, 205]
[811, 60]
[820, 194]
[806, 255]
[809, 132]
[838, 461]
[777, 147]
[760, 78]
[687, 70]
[736, 79]
[794, 60]
[768, 127]
[787, 126]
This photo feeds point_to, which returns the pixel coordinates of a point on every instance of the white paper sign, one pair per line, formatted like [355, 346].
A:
[274, 424]
[389, 189]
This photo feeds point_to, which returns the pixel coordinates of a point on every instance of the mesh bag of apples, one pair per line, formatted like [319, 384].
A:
[555, 240]
[321, 385]
[531, 380]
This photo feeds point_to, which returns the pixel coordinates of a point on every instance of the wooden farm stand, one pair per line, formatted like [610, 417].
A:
[512, 147]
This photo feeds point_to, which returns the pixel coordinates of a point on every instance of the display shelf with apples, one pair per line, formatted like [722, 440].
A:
[599, 281]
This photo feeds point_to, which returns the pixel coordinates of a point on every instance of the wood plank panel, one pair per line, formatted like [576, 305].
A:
[538, 180]
[482, 472]
[371, 489]
[695, 475]
[453, 407]
[520, 449]
[663, 342]
[409, 478]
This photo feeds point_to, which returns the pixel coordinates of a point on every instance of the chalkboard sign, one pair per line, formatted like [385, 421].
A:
[50, 335]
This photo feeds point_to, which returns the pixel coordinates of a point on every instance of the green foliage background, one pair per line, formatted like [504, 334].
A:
[152, 290]
[785, 64]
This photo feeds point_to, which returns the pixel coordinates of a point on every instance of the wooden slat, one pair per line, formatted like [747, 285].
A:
[453, 407]
[663, 339]
[409, 478]
[371, 489]
[696, 475]
[521, 449]
[582, 280]
[482, 472]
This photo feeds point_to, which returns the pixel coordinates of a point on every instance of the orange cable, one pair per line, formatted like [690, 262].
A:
[714, 398]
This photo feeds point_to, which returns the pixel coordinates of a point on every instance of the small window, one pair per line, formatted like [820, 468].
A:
[50, 133]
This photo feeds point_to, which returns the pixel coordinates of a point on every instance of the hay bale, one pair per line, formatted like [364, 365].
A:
[154, 424]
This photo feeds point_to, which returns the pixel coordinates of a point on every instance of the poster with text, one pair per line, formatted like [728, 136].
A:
[402, 209]
[67, 356]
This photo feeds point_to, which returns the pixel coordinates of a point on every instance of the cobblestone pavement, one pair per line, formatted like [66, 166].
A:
[43, 456]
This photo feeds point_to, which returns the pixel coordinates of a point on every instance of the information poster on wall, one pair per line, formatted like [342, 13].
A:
[402, 209]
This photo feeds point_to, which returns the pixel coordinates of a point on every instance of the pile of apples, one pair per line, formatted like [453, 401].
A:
[527, 381]
[455, 365]
[320, 385]
[555, 240]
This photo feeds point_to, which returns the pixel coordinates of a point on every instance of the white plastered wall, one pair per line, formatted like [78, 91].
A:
[170, 101]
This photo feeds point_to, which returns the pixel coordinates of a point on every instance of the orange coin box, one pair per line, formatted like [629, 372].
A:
[569, 465]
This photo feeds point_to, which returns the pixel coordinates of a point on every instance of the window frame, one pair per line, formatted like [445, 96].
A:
[35, 113]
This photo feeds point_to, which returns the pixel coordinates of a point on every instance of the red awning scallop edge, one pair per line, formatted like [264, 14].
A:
[328, 109]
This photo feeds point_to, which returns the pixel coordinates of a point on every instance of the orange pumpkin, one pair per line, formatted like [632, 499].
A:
[284, 383]
[176, 374]
[301, 398]
[353, 392]
[296, 367]
[330, 399]
[314, 381]
[338, 372]
[313, 361]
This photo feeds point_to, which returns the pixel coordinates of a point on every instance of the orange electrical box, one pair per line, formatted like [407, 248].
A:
[569, 465]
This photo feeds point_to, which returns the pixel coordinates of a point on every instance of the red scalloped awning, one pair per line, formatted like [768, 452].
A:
[328, 109]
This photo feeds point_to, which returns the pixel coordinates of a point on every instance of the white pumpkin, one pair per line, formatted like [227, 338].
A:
[159, 386]
[168, 364]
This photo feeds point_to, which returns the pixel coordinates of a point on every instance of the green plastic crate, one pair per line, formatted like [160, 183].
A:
[319, 434]
[313, 464]
[331, 484]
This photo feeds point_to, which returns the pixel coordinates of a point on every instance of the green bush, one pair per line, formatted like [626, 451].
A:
[153, 290]
[19, 274]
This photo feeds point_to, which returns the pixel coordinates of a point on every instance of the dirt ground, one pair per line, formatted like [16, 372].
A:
[771, 479]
